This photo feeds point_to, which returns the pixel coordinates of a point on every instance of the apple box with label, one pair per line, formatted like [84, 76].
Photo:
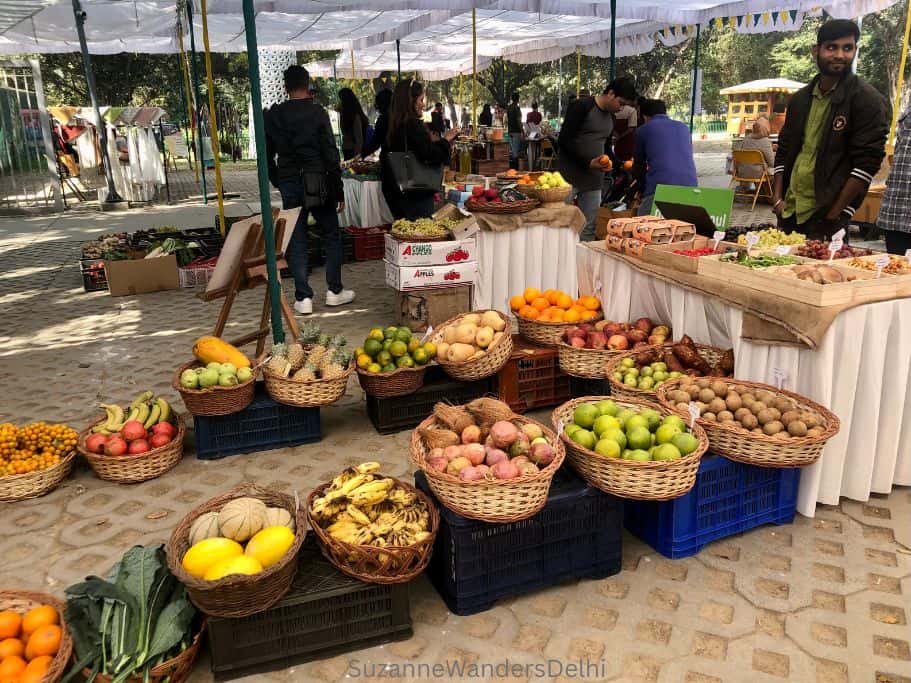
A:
[429, 253]
[404, 278]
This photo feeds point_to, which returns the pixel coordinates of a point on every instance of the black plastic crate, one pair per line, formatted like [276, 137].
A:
[324, 614]
[390, 415]
[94, 276]
[263, 425]
[578, 534]
[581, 386]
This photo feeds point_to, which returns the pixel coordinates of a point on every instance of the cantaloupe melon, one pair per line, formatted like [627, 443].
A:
[205, 526]
[241, 518]
[278, 517]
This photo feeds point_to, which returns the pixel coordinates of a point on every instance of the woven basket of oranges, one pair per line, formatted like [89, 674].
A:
[543, 316]
[35, 645]
[34, 459]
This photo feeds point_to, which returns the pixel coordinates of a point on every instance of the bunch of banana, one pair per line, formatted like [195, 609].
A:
[145, 408]
[361, 508]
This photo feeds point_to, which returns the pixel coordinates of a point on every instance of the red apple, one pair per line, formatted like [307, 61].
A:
[164, 428]
[617, 342]
[138, 446]
[491, 194]
[644, 324]
[95, 443]
[637, 335]
[601, 324]
[115, 446]
[477, 191]
[586, 327]
[159, 439]
[577, 342]
[611, 329]
[597, 340]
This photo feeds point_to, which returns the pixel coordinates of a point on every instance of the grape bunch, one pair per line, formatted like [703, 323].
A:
[818, 249]
[773, 237]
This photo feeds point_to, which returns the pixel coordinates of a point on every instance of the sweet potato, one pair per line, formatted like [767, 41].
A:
[646, 357]
[687, 341]
[671, 361]
[690, 357]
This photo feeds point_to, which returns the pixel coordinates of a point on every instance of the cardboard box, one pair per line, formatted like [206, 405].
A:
[404, 278]
[663, 231]
[615, 243]
[422, 308]
[429, 253]
[141, 276]
[604, 217]
[633, 247]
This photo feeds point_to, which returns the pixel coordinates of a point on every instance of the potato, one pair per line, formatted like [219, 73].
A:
[747, 397]
[765, 396]
[782, 404]
[776, 414]
[741, 413]
[758, 407]
[465, 333]
[711, 417]
[493, 320]
[720, 388]
[749, 421]
[815, 431]
[703, 383]
[789, 417]
[484, 337]
[765, 416]
[725, 416]
[693, 391]
[497, 337]
[471, 319]
[459, 352]
[716, 405]
[772, 428]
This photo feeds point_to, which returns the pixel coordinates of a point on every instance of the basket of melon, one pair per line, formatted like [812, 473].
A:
[544, 316]
[473, 346]
[237, 553]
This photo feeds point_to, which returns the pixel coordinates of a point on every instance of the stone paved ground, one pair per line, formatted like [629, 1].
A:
[824, 600]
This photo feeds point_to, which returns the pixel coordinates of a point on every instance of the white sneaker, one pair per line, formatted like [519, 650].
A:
[346, 296]
[304, 306]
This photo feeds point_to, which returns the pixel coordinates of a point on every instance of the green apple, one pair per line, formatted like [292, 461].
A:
[639, 438]
[639, 455]
[584, 438]
[605, 422]
[608, 448]
[244, 374]
[675, 420]
[208, 378]
[189, 379]
[214, 366]
[615, 434]
[666, 451]
[631, 381]
[227, 379]
[584, 415]
[639, 420]
[609, 407]
[660, 366]
[666, 432]
[627, 363]
[646, 383]
[676, 374]
[660, 375]
[685, 442]
[227, 369]
[632, 371]
[571, 429]
[646, 371]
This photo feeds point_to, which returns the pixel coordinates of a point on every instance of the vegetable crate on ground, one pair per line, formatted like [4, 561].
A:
[369, 244]
[390, 415]
[728, 498]
[580, 386]
[94, 277]
[263, 425]
[324, 614]
[532, 377]
[578, 534]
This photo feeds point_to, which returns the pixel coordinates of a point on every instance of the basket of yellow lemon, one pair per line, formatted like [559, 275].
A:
[548, 188]
[392, 361]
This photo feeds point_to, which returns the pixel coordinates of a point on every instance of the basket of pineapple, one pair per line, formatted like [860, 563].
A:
[309, 372]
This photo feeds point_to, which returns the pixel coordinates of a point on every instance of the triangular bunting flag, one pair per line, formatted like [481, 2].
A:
[765, 18]
[783, 17]
[719, 23]
[793, 16]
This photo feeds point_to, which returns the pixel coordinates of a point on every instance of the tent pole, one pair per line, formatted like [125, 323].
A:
[191, 129]
[352, 65]
[560, 88]
[897, 100]
[201, 156]
[213, 123]
[90, 83]
[474, 69]
[695, 78]
[613, 37]
[398, 59]
[461, 100]
[265, 201]
[578, 72]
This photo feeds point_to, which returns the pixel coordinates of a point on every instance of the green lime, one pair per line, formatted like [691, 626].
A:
[405, 362]
[390, 332]
[420, 356]
[398, 349]
[374, 367]
[384, 358]
[376, 333]
[403, 334]
[387, 343]
[372, 347]
[389, 368]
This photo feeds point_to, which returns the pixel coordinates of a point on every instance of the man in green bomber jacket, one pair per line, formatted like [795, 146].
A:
[833, 140]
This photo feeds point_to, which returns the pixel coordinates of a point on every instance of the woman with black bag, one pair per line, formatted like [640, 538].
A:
[412, 151]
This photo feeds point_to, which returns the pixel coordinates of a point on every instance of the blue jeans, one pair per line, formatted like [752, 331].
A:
[515, 147]
[645, 205]
[298, 252]
[588, 201]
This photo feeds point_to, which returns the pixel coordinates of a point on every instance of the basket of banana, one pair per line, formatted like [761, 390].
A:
[373, 527]
[137, 444]
[310, 372]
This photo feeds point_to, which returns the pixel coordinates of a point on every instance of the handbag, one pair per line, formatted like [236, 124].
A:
[316, 192]
[411, 174]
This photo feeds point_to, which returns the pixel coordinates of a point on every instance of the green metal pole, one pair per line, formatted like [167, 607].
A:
[200, 150]
[695, 78]
[265, 202]
[613, 37]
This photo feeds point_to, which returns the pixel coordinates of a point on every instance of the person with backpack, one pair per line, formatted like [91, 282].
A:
[304, 166]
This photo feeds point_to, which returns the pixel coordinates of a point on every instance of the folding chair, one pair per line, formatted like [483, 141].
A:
[545, 161]
[751, 157]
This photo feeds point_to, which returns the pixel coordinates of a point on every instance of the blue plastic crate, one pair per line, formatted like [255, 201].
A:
[728, 498]
[262, 425]
[578, 534]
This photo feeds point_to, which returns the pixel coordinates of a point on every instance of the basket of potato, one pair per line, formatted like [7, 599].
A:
[473, 346]
[753, 423]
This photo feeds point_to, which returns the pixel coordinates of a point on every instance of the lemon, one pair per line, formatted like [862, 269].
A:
[243, 564]
[199, 558]
[270, 545]
[363, 361]
[376, 333]
[431, 349]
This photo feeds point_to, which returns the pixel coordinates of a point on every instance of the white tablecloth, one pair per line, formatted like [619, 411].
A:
[365, 206]
[860, 372]
[531, 256]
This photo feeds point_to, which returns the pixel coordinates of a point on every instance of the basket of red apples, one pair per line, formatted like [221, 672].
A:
[586, 348]
[127, 451]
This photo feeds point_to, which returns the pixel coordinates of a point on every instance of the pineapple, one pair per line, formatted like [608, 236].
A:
[306, 374]
[338, 364]
[278, 364]
[309, 333]
[335, 344]
[319, 349]
[296, 356]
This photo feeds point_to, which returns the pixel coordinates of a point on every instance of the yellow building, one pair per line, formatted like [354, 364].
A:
[767, 97]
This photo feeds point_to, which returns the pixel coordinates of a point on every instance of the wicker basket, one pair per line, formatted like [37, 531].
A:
[545, 333]
[547, 195]
[401, 382]
[534, 175]
[654, 480]
[176, 669]
[392, 564]
[502, 207]
[735, 443]
[131, 469]
[217, 400]
[319, 392]
[38, 483]
[489, 364]
[496, 500]
[711, 354]
[587, 363]
[23, 601]
[238, 595]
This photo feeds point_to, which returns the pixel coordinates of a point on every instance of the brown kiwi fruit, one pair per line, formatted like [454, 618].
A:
[706, 395]
[733, 401]
[703, 382]
[772, 428]
[758, 407]
[749, 421]
[776, 414]
[716, 405]
[740, 413]
[789, 417]
[797, 428]
[693, 391]
[683, 405]
[711, 417]
[725, 416]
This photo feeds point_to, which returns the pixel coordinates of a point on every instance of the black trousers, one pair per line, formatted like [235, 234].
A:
[897, 242]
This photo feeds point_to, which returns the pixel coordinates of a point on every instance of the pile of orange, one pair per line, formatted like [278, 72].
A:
[37, 446]
[554, 306]
[28, 644]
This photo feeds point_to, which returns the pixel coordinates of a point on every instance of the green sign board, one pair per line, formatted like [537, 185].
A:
[717, 202]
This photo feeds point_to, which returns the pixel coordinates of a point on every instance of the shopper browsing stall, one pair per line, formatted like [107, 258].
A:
[353, 122]
[832, 142]
[895, 212]
[304, 166]
[587, 127]
[663, 153]
[514, 128]
[391, 192]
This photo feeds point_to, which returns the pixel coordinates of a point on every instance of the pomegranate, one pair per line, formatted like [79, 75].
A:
[95, 443]
[134, 430]
[115, 446]
[164, 428]
[138, 446]
[159, 440]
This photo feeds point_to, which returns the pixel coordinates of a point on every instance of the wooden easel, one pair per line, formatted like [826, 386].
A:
[250, 273]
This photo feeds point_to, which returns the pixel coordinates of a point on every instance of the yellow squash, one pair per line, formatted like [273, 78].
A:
[214, 350]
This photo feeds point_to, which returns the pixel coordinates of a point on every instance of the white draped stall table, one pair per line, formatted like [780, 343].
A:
[860, 371]
[365, 206]
[540, 251]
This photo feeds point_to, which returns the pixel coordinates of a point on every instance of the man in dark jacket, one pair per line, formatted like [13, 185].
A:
[588, 125]
[832, 142]
[304, 166]
[514, 128]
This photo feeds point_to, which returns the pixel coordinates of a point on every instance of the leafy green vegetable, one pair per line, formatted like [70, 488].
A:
[131, 621]
[742, 258]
